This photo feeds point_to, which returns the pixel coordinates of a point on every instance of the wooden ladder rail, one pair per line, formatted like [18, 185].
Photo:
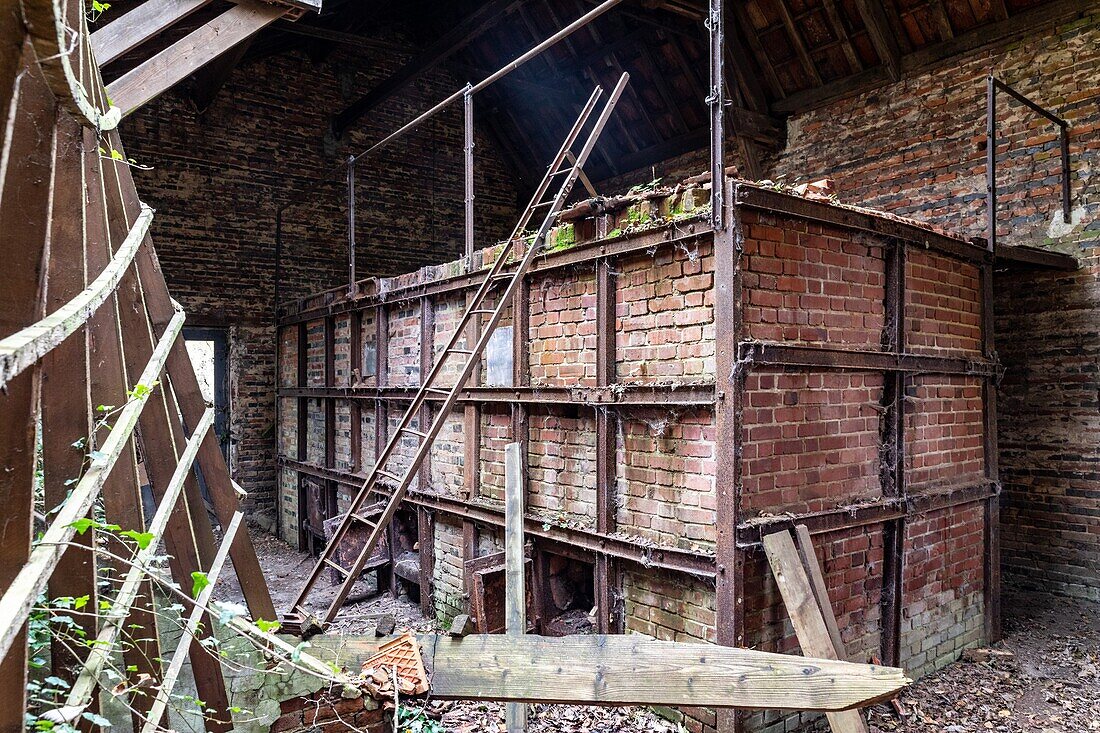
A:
[389, 501]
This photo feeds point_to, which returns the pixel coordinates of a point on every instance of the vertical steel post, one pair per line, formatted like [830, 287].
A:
[468, 162]
[991, 161]
[717, 102]
[1063, 139]
[351, 226]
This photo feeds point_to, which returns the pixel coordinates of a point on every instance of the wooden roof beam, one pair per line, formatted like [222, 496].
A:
[157, 75]
[134, 28]
[799, 42]
[1006, 30]
[882, 37]
[443, 48]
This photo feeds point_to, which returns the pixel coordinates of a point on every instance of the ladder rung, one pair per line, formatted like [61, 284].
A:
[438, 390]
[364, 520]
[414, 432]
[335, 566]
[542, 203]
[389, 475]
[503, 276]
[490, 311]
[459, 351]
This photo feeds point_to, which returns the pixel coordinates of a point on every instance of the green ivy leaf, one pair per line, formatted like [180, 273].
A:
[83, 525]
[268, 627]
[198, 582]
[143, 539]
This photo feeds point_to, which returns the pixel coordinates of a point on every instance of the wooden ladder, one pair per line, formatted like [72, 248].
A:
[377, 500]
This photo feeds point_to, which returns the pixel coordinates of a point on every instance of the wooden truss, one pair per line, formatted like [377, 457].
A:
[86, 320]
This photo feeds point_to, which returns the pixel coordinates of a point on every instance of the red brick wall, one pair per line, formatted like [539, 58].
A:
[665, 317]
[811, 284]
[811, 440]
[943, 432]
[941, 587]
[917, 148]
[943, 313]
[1049, 431]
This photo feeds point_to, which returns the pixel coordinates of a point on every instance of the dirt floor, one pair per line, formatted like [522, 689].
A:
[1044, 677]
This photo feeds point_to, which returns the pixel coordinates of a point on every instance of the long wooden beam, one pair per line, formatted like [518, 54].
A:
[175, 63]
[132, 29]
[631, 670]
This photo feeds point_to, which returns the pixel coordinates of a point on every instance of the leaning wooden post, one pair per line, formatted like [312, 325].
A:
[515, 617]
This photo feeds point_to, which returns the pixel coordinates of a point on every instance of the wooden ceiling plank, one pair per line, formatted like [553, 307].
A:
[132, 29]
[751, 37]
[882, 37]
[1004, 31]
[210, 79]
[175, 63]
[663, 90]
[747, 82]
[443, 48]
[943, 21]
[837, 23]
[799, 42]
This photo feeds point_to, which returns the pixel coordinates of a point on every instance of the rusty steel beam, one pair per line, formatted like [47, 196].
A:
[668, 558]
[682, 234]
[771, 354]
[616, 394]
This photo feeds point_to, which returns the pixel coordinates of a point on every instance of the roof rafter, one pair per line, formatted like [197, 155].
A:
[443, 48]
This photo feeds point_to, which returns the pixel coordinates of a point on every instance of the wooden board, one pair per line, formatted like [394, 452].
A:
[807, 616]
[630, 670]
[175, 63]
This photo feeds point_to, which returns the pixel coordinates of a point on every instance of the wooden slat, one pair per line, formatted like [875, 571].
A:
[24, 210]
[175, 63]
[65, 409]
[131, 29]
[806, 615]
[820, 590]
[630, 670]
[189, 535]
[185, 386]
[110, 382]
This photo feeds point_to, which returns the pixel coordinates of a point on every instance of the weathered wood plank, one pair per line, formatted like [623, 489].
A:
[139, 25]
[24, 210]
[515, 607]
[64, 401]
[807, 616]
[630, 670]
[175, 63]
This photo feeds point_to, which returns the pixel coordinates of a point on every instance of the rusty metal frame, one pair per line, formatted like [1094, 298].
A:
[993, 86]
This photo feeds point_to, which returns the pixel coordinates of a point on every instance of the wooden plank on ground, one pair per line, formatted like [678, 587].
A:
[806, 615]
[630, 670]
[152, 78]
[515, 621]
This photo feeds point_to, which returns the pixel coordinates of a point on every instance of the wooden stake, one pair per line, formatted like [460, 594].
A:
[515, 621]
